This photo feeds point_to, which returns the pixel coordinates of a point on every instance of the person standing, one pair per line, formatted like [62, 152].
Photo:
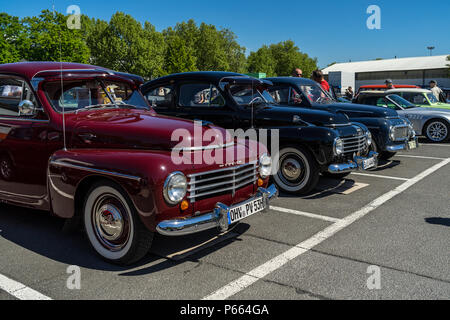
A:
[389, 84]
[349, 93]
[297, 73]
[437, 92]
[317, 76]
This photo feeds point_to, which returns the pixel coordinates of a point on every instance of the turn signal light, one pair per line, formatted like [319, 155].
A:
[184, 205]
[260, 182]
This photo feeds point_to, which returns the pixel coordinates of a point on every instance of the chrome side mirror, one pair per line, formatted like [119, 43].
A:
[27, 108]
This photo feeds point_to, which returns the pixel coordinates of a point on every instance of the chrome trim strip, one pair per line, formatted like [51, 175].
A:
[217, 218]
[197, 195]
[23, 120]
[222, 170]
[210, 147]
[110, 173]
[224, 176]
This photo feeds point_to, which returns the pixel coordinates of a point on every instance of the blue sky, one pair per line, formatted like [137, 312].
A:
[328, 30]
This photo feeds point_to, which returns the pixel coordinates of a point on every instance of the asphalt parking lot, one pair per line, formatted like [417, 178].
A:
[395, 219]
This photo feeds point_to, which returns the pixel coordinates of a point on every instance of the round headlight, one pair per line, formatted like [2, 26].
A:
[369, 138]
[338, 146]
[265, 165]
[392, 133]
[175, 188]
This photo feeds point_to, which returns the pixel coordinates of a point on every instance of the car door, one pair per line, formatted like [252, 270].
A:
[23, 144]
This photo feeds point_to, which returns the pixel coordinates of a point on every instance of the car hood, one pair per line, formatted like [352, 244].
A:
[140, 129]
[315, 117]
[358, 110]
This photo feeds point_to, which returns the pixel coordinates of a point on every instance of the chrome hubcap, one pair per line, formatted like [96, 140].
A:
[5, 169]
[111, 224]
[291, 169]
[437, 131]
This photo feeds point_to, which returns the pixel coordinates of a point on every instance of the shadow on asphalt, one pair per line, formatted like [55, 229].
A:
[438, 221]
[42, 233]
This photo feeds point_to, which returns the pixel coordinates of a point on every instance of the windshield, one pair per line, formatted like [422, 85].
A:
[316, 94]
[245, 95]
[405, 104]
[432, 98]
[83, 94]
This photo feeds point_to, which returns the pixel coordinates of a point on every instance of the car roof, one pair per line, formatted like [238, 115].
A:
[409, 90]
[197, 75]
[298, 81]
[30, 69]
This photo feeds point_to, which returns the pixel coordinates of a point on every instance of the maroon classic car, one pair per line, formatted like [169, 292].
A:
[81, 142]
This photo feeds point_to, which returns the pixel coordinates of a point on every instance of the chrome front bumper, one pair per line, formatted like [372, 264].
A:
[404, 146]
[356, 164]
[218, 218]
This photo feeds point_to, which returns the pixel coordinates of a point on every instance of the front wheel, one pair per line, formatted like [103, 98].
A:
[437, 131]
[113, 226]
[297, 172]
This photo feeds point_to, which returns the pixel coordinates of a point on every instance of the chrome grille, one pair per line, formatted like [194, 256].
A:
[221, 181]
[400, 133]
[356, 144]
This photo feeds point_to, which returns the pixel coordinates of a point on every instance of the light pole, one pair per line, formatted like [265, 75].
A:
[431, 50]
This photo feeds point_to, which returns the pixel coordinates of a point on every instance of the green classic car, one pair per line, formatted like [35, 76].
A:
[420, 97]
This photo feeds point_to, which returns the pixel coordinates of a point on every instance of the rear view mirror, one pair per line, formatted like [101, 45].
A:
[27, 108]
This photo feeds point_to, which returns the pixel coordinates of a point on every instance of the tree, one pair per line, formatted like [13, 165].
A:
[280, 59]
[125, 45]
[13, 40]
[49, 39]
[262, 61]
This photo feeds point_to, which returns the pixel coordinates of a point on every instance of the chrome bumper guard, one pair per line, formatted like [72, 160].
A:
[356, 164]
[404, 146]
[218, 218]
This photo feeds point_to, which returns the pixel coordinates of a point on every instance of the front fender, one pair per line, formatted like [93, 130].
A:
[378, 127]
[141, 174]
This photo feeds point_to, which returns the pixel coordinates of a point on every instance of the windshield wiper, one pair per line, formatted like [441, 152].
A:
[95, 106]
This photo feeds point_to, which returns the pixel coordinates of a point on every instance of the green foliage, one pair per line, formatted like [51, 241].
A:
[13, 41]
[280, 59]
[49, 39]
[126, 45]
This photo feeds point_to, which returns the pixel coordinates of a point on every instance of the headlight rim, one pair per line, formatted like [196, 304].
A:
[261, 165]
[166, 188]
[336, 140]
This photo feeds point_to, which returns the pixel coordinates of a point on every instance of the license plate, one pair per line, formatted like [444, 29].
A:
[369, 163]
[243, 211]
[412, 144]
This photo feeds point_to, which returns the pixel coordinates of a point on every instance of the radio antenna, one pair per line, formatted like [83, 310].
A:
[253, 104]
[62, 84]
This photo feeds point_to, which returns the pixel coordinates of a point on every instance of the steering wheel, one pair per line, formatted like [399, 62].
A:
[256, 99]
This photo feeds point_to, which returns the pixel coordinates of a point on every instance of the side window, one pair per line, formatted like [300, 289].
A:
[13, 91]
[416, 98]
[200, 95]
[279, 94]
[160, 97]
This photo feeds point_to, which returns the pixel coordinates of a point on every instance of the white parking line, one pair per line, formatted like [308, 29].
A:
[419, 157]
[435, 144]
[20, 291]
[305, 214]
[263, 270]
[378, 176]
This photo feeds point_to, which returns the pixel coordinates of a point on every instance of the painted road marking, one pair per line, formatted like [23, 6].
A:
[263, 270]
[378, 176]
[20, 291]
[305, 214]
[419, 157]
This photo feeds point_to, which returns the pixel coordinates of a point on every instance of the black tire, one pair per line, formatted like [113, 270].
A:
[300, 174]
[437, 131]
[386, 155]
[122, 242]
[338, 176]
[6, 168]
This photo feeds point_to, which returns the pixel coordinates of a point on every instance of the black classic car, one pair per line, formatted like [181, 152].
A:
[311, 141]
[390, 132]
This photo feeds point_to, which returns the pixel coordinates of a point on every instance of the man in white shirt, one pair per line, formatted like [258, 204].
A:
[435, 89]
